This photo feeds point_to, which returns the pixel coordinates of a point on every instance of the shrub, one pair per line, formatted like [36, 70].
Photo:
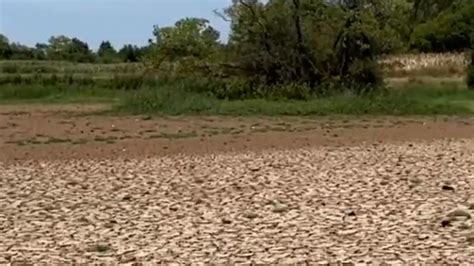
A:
[470, 72]
[10, 69]
[126, 82]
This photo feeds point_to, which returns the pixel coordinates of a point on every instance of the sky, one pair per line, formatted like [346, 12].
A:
[119, 21]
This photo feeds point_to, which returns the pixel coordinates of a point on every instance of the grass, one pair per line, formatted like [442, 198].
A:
[162, 99]
[412, 100]
[57, 94]
[35, 66]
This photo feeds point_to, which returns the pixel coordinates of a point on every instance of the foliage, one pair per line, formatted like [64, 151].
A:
[275, 44]
[64, 67]
[184, 48]
[450, 30]
[129, 53]
[65, 48]
[5, 50]
[115, 82]
[470, 72]
[57, 93]
[277, 49]
[172, 99]
[107, 53]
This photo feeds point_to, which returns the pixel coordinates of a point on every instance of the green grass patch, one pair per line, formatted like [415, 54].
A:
[169, 99]
[412, 100]
[57, 94]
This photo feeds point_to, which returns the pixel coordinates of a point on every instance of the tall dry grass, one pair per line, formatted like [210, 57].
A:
[428, 64]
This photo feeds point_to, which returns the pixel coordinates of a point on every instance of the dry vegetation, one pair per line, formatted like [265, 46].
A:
[425, 64]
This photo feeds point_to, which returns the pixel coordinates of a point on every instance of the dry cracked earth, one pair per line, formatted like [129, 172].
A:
[383, 198]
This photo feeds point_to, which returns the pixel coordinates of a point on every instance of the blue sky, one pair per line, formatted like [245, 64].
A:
[120, 21]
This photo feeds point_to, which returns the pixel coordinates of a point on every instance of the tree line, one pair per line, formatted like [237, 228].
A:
[300, 46]
[63, 48]
[403, 25]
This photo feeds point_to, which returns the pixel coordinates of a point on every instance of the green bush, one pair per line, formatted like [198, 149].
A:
[449, 31]
[170, 99]
[10, 69]
[470, 72]
[416, 100]
[126, 82]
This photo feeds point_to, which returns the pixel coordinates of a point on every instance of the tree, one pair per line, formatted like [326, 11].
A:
[5, 49]
[129, 53]
[450, 30]
[470, 67]
[65, 48]
[305, 41]
[57, 47]
[21, 52]
[41, 51]
[188, 38]
[107, 52]
[425, 10]
[78, 51]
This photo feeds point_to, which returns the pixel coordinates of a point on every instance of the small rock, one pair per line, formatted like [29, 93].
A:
[350, 213]
[126, 197]
[447, 188]
[254, 168]
[464, 226]
[83, 220]
[470, 238]
[226, 220]
[100, 248]
[423, 236]
[446, 222]
[471, 206]
[347, 232]
[279, 208]
[459, 213]
[250, 215]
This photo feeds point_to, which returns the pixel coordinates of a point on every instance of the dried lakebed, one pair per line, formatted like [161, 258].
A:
[395, 203]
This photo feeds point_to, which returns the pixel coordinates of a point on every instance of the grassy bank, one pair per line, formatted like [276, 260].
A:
[414, 100]
[171, 100]
[58, 94]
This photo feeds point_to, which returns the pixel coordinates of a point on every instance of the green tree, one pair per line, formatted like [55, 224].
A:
[41, 51]
[305, 41]
[129, 53]
[425, 10]
[107, 52]
[470, 68]
[190, 39]
[5, 49]
[21, 52]
[450, 30]
[65, 48]
[58, 47]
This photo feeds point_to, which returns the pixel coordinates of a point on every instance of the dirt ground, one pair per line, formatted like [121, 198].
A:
[78, 187]
[74, 132]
